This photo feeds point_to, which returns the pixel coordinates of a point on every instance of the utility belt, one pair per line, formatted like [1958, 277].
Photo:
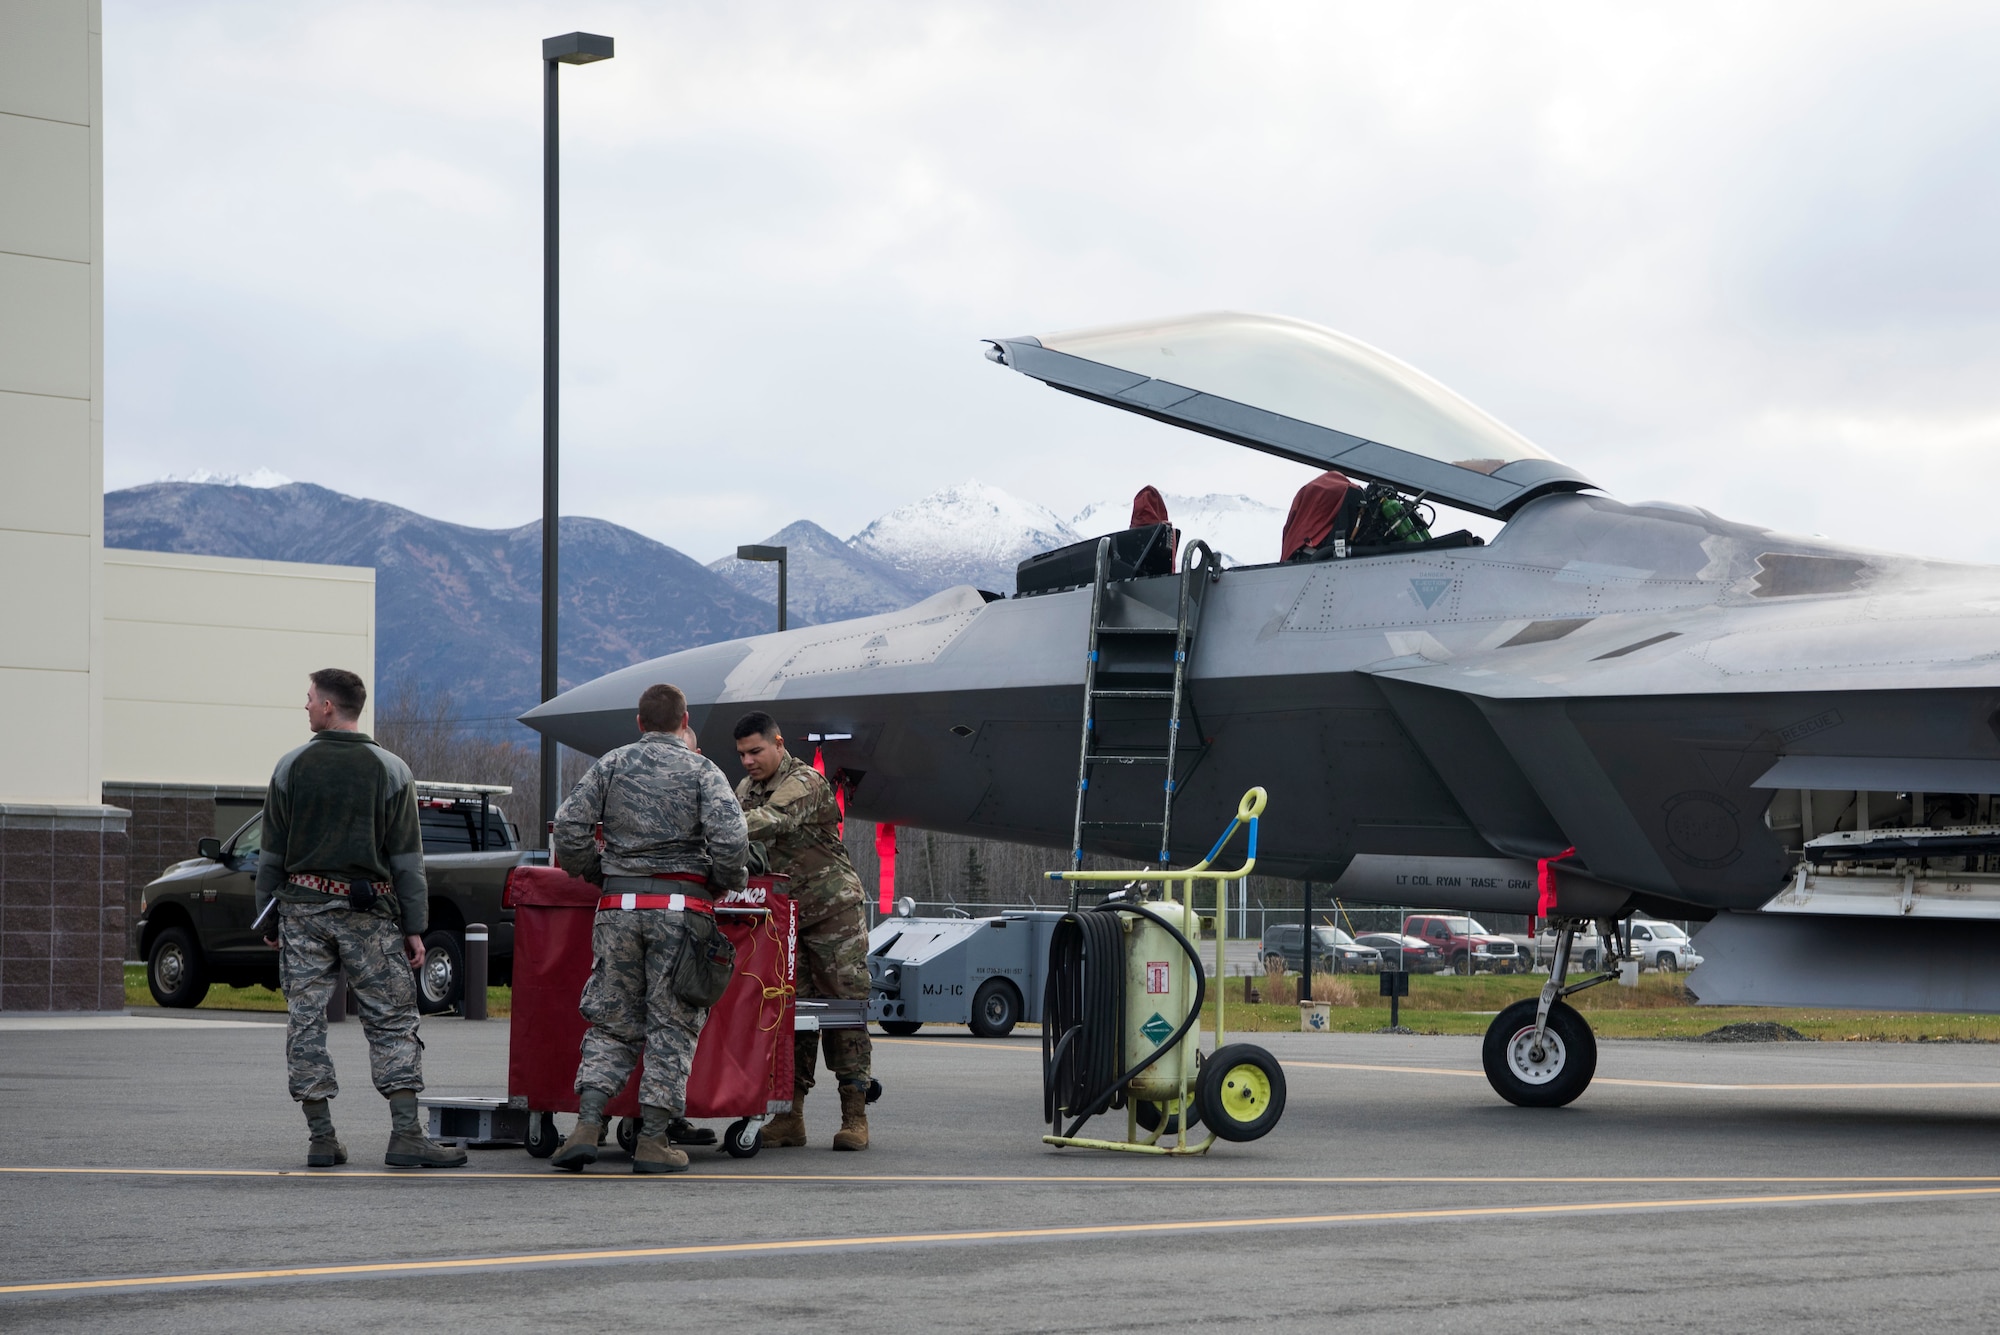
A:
[706, 959]
[641, 892]
[360, 895]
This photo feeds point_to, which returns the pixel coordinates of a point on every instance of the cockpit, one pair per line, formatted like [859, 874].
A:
[1393, 441]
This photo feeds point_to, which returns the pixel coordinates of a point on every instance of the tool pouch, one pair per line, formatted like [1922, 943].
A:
[361, 895]
[705, 963]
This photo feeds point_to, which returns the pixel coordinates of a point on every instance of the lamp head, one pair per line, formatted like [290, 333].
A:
[576, 48]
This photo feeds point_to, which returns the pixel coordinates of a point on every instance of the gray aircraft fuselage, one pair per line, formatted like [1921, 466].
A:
[1611, 677]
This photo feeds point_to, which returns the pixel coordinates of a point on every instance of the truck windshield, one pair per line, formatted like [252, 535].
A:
[1464, 926]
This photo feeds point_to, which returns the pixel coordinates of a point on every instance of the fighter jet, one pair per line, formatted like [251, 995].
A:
[1608, 707]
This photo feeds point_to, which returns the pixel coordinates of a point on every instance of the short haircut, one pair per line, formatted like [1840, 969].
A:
[341, 688]
[755, 723]
[663, 708]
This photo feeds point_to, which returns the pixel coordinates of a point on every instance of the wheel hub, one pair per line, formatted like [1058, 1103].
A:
[169, 967]
[1246, 1092]
[437, 977]
[1536, 1063]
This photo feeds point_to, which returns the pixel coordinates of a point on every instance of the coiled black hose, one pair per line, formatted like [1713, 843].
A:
[1083, 1014]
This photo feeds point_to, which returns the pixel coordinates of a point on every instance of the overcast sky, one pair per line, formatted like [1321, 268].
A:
[1744, 256]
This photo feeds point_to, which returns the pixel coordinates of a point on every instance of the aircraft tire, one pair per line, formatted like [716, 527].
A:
[1563, 1071]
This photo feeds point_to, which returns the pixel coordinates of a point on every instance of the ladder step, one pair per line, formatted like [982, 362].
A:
[1125, 760]
[1132, 695]
[1121, 825]
[1138, 630]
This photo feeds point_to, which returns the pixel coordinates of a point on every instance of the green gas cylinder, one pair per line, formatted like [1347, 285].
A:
[1159, 989]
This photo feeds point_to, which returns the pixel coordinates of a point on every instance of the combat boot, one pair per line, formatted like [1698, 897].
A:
[584, 1138]
[325, 1149]
[652, 1153]
[788, 1130]
[853, 1133]
[409, 1147]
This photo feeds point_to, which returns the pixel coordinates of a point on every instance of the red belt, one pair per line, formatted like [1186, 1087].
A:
[678, 903]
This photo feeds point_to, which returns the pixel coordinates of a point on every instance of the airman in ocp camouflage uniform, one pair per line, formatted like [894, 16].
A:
[790, 807]
[673, 832]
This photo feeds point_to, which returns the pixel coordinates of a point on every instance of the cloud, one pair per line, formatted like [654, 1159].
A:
[1740, 256]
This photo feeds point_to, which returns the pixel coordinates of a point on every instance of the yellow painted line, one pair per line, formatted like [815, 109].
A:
[798, 1245]
[1018, 1179]
[1660, 1084]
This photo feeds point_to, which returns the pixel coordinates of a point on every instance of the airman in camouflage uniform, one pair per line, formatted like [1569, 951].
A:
[671, 826]
[342, 854]
[791, 808]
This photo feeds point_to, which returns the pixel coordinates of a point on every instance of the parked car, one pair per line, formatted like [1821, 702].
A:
[1334, 951]
[194, 921]
[1466, 944]
[1588, 953]
[1662, 945]
[1408, 954]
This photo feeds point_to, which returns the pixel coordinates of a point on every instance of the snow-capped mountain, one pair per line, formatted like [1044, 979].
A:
[968, 534]
[262, 478]
[1238, 529]
[825, 579]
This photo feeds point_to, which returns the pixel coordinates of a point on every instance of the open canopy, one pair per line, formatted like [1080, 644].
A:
[1303, 392]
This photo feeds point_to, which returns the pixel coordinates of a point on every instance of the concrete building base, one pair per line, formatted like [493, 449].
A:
[62, 907]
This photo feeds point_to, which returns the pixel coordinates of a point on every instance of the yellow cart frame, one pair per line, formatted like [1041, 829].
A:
[1174, 1118]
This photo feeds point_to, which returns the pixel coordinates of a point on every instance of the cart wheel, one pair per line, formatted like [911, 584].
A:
[900, 1028]
[1149, 1113]
[542, 1138]
[1242, 1092]
[874, 1090]
[743, 1139]
[628, 1134]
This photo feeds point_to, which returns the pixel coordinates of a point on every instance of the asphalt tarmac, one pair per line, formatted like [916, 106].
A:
[151, 1178]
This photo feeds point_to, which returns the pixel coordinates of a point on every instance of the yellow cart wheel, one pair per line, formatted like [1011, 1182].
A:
[1151, 1114]
[1241, 1094]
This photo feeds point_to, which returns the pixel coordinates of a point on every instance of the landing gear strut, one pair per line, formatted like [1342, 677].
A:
[1539, 1053]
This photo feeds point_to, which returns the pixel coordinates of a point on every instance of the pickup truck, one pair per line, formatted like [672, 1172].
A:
[194, 921]
[1467, 946]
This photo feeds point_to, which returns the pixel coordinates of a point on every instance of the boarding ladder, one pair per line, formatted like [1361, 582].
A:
[1135, 682]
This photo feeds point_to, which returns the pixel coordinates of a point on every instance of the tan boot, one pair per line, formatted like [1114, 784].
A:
[409, 1147]
[579, 1148]
[853, 1133]
[788, 1130]
[652, 1152]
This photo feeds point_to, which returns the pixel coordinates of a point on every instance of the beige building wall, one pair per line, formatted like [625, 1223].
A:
[205, 661]
[51, 398]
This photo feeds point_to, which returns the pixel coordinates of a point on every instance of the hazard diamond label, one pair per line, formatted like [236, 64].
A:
[1158, 1029]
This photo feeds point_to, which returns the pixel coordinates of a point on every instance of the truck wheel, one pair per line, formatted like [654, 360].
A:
[1461, 962]
[176, 973]
[441, 982]
[900, 1028]
[542, 1139]
[996, 1008]
[1667, 963]
[1241, 1093]
[1550, 1077]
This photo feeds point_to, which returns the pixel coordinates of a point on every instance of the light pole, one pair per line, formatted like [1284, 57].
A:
[576, 48]
[758, 552]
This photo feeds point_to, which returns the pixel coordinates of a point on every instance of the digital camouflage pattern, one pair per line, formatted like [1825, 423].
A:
[315, 941]
[797, 818]
[664, 808]
[630, 1003]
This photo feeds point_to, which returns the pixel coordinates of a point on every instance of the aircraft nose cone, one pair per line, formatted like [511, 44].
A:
[598, 715]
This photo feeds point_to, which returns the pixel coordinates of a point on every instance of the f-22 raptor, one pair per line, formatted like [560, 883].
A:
[1609, 707]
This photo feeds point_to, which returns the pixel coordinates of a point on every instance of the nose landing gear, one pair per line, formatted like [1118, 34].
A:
[1539, 1053]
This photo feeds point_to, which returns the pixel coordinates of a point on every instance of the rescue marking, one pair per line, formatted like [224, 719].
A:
[796, 1245]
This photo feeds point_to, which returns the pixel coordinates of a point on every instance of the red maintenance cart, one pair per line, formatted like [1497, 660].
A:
[742, 1064]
